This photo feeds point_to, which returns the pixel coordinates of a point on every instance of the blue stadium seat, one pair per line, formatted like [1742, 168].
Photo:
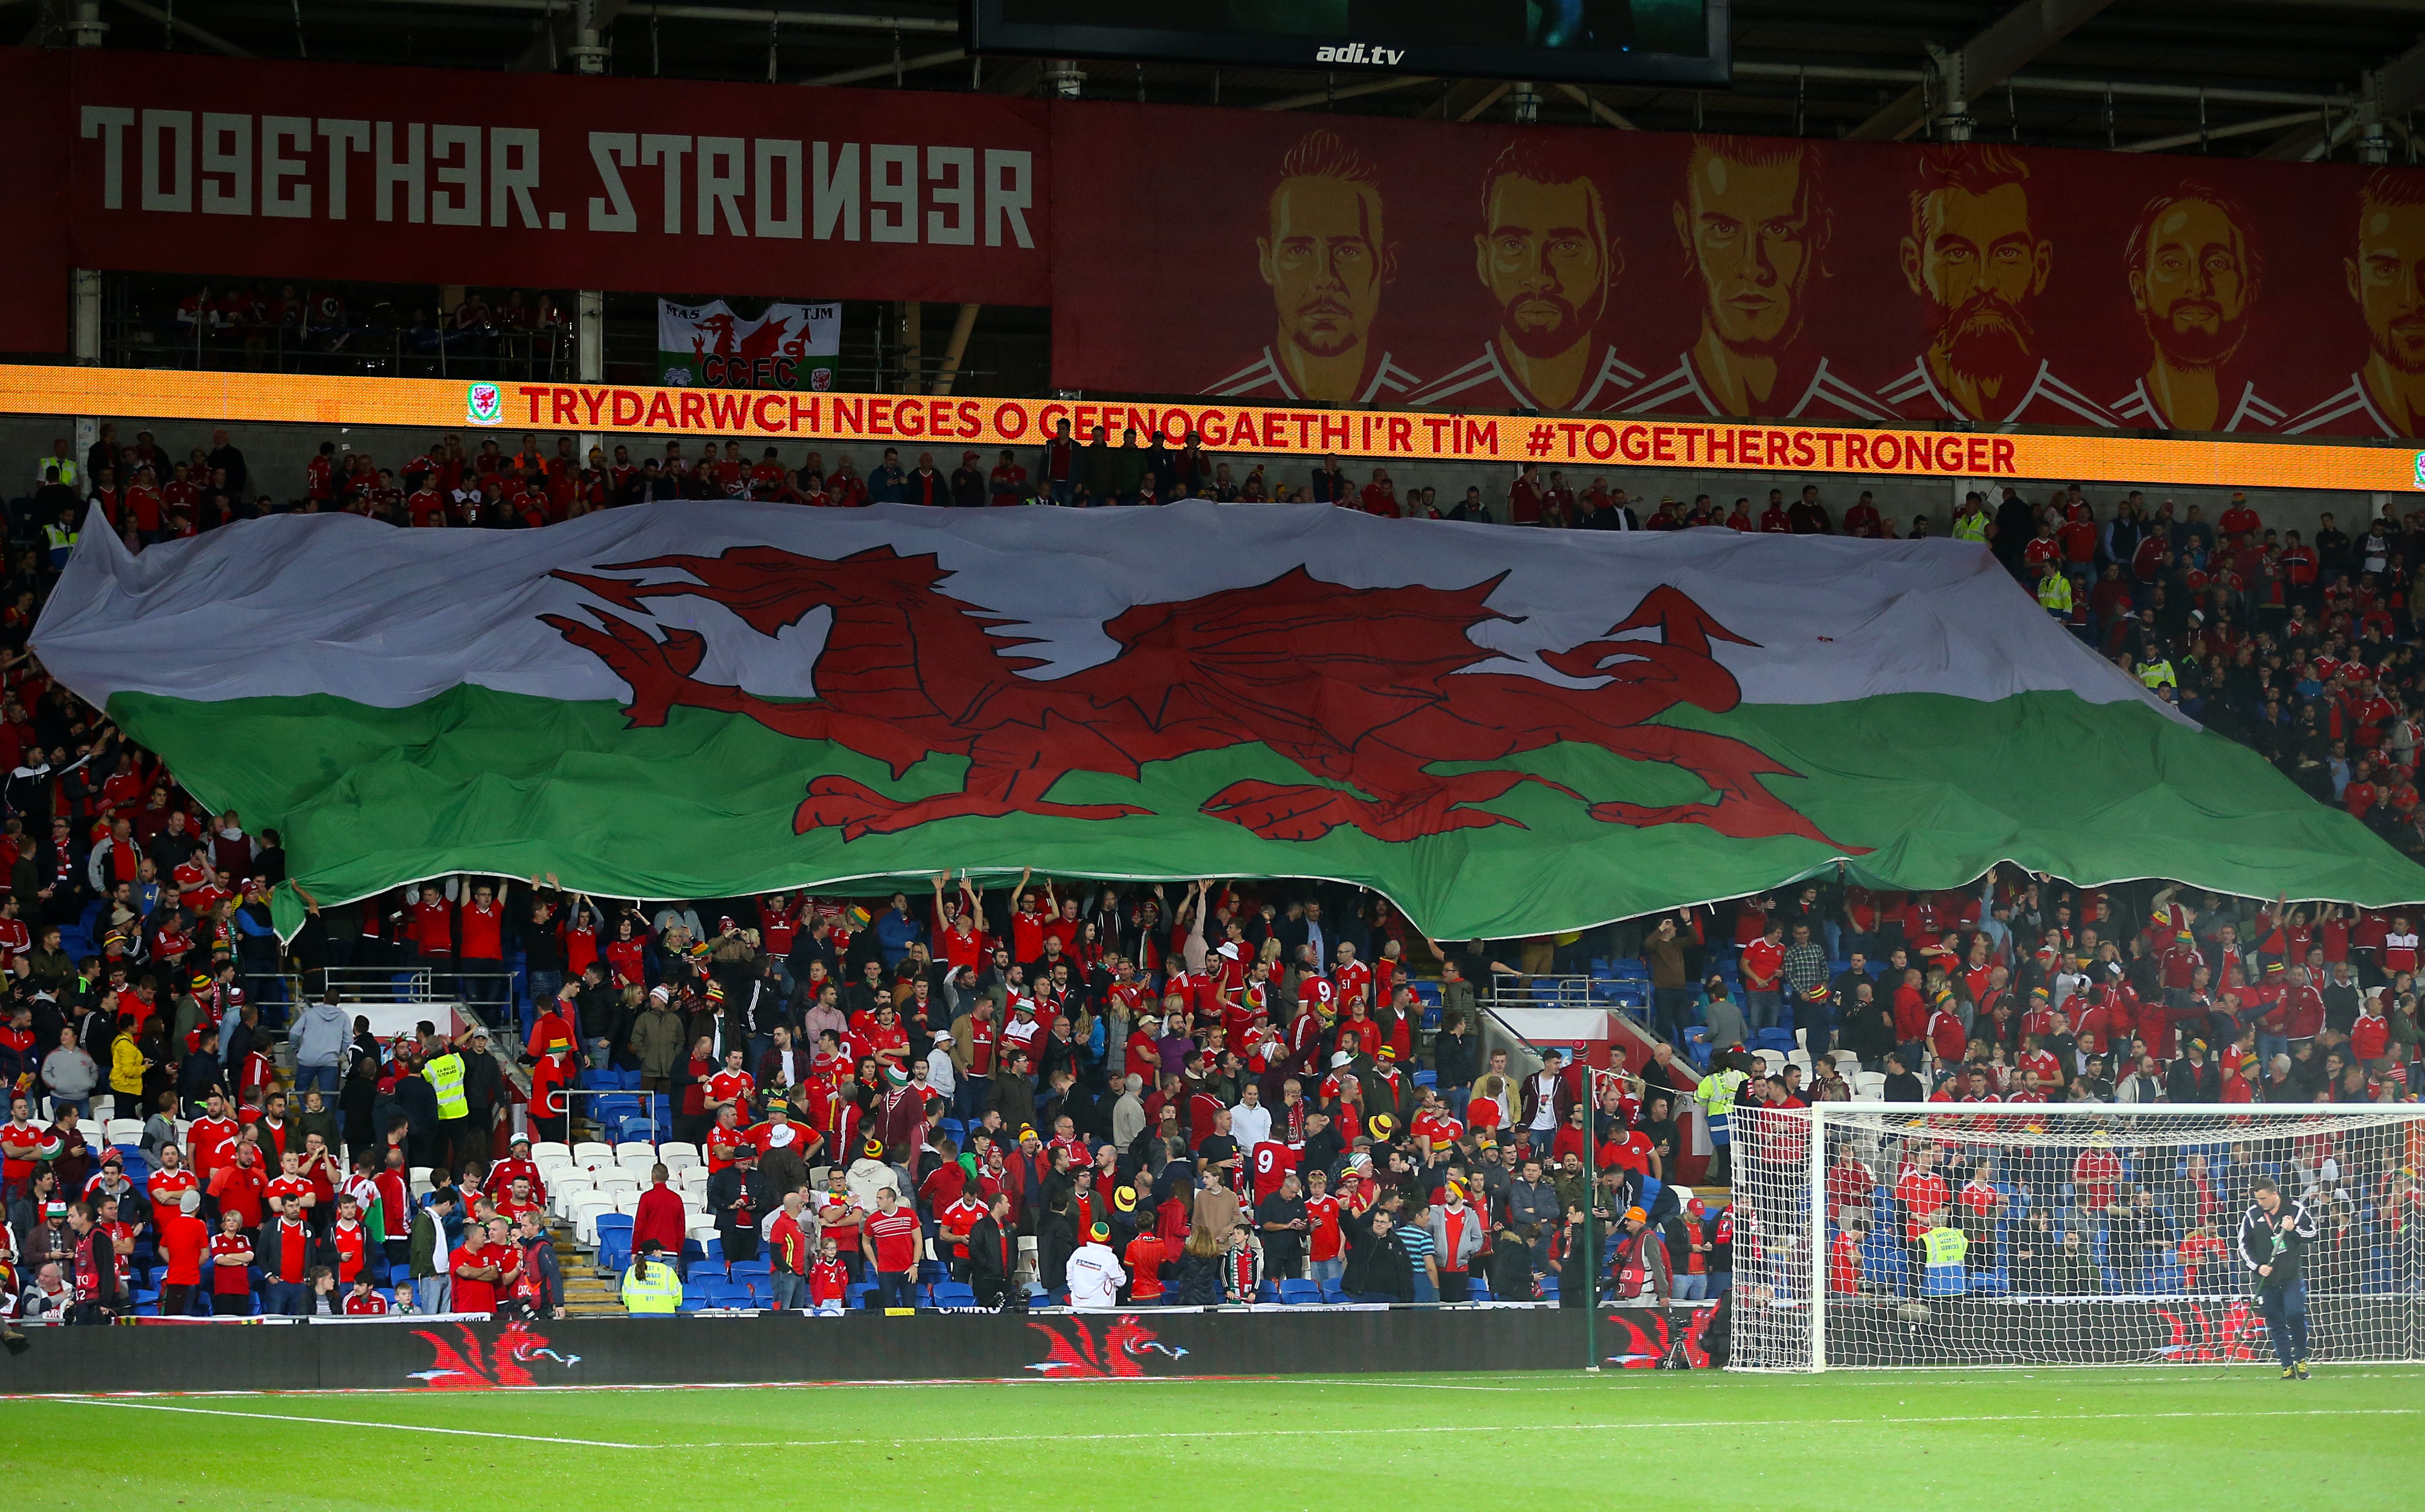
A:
[1427, 1078]
[763, 1265]
[1297, 1293]
[614, 1240]
[953, 1294]
[1696, 1045]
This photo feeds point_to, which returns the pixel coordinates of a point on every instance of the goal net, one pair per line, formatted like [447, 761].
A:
[2013, 1234]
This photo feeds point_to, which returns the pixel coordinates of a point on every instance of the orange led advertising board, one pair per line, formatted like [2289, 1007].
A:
[914, 422]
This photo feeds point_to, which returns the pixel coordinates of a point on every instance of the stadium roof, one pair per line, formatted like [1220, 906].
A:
[2276, 78]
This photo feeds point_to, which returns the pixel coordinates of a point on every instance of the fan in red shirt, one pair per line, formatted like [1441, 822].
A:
[888, 1238]
[183, 1240]
[1322, 1213]
[1919, 1190]
[231, 1253]
[238, 1186]
[2097, 1175]
[485, 1271]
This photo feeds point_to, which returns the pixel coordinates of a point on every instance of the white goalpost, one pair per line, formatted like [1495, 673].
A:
[1986, 1234]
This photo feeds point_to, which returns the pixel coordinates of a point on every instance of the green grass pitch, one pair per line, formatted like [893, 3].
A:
[2146, 1441]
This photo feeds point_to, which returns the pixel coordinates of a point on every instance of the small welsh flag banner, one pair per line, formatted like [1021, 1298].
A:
[1509, 732]
[787, 346]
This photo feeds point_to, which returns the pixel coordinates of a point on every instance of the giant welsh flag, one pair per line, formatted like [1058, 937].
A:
[1506, 731]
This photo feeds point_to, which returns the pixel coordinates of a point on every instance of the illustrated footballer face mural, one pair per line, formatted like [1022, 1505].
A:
[1545, 254]
[1325, 255]
[1974, 255]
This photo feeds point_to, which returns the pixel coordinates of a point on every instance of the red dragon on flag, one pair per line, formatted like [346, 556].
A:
[1368, 691]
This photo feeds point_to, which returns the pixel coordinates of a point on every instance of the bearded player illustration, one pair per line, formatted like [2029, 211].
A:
[2193, 276]
[1974, 254]
[1546, 255]
[2385, 279]
[1754, 222]
[1325, 255]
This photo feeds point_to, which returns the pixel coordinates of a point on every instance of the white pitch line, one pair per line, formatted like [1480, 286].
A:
[1630, 1426]
[1271, 1432]
[356, 1423]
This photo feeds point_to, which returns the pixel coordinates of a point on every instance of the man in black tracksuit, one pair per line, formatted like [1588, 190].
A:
[2274, 1234]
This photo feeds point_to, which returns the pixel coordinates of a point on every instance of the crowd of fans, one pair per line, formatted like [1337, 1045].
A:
[486, 332]
[1171, 1092]
[1166, 1093]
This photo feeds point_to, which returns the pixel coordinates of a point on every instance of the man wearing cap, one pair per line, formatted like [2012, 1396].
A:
[650, 1285]
[1642, 1260]
[1095, 1273]
[184, 1241]
[516, 1165]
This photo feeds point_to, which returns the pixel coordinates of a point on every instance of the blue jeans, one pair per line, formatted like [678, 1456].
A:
[282, 1299]
[1424, 1290]
[322, 1077]
[433, 1294]
[1690, 1288]
[82, 1104]
[969, 1098]
[2285, 1320]
[1325, 1273]
[896, 1288]
[1761, 1009]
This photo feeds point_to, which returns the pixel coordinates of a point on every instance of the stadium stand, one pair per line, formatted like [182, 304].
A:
[1256, 1093]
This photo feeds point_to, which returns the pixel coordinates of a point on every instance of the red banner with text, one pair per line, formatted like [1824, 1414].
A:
[1279, 257]
[253, 170]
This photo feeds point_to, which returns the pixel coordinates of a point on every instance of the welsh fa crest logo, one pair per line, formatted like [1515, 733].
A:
[484, 405]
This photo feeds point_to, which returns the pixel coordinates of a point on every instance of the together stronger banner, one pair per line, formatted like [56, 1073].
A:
[1281, 259]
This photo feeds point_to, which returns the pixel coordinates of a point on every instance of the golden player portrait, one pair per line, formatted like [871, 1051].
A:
[1325, 254]
[1753, 225]
[1976, 256]
[2193, 273]
[1545, 256]
[2384, 277]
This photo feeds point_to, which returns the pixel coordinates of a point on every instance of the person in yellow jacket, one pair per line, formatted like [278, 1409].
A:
[127, 1064]
[650, 1285]
[1971, 522]
[2054, 591]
